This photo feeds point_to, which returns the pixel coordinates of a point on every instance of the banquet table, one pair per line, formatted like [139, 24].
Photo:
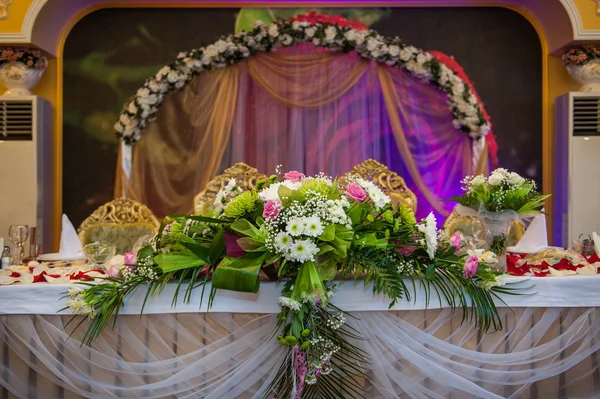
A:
[548, 347]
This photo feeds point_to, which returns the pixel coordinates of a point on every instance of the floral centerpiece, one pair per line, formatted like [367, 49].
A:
[583, 64]
[502, 201]
[21, 69]
[311, 230]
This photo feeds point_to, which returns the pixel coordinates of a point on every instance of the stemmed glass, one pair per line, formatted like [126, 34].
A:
[99, 254]
[18, 235]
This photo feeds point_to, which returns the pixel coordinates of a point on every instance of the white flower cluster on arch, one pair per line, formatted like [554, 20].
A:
[234, 48]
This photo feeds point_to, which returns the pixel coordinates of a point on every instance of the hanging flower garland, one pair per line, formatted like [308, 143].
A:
[326, 33]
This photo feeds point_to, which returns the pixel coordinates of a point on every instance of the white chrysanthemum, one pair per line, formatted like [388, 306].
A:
[272, 192]
[378, 197]
[303, 250]
[295, 227]
[429, 229]
[282, 241]
[231, 185]
[313, 226]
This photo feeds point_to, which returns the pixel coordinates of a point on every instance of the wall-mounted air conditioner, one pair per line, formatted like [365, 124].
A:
[26, 166]
[577, 167]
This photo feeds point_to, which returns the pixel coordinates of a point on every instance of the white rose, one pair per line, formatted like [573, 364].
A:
[132, 108]
[394, 51]
[372, 44]
[206, 59]
[118, 127]
[421, 59]
[145, 113]
[316, 42]
[124, 119]
[330, 34]
[456, 123]
[495, 178]
[172, 77]
[221, 46]
[211, 51]
[143, 92]
[286, 40]
[360, 36]
[296, 25]
[478, 181]
[310, 32]
[350, 35]
[164, 70]
[458, 89]
[375, 53]
[154, 86]
[514, 178]
[197, 64]
[181, 55]
[405, 54]
[273, 30]
[152, 99]
[179, 84]
[128, 130]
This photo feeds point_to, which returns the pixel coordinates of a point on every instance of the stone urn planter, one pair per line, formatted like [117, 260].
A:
[583, 64]
[20, 70]
[587, 75]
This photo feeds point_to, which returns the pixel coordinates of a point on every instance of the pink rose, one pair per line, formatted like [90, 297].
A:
[271, 210]
[455, 241]
[113, 271]
[356, 192]
[406, 251]
[130, 258]
[471, 266]
[293, 175]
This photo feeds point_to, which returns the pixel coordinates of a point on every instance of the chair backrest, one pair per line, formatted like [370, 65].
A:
[245, 176]
[121, 221]
[391, 184]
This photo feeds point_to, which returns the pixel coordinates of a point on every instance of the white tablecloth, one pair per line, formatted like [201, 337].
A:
[547, 292]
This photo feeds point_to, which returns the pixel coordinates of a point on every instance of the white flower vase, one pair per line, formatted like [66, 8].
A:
[587, 75]
[18, 79]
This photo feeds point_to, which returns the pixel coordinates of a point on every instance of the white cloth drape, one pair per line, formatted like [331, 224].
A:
[546, 353]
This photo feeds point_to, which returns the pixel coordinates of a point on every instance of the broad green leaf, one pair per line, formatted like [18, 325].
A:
[173, 261]
[327, 269]
[328, 233]
[335, 188]
[217, 248]
[324, 248]
[199, 251]
[246, 228]
[430, 273]
[145, 251]
[239, 274]
[248, 244]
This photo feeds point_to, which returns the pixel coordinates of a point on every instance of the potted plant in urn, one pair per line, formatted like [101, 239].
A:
[501, 204]
[583, 64]
[21, 69]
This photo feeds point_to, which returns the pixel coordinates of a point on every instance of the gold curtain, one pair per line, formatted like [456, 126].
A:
[182, 150]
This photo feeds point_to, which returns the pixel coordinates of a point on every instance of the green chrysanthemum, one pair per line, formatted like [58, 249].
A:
[318, 185]
[407, 215]
[242, 204]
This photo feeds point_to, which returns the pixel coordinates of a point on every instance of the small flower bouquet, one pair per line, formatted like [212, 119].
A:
[502, 201]
[581, 55]
[311, 230]
[502, 190]
[31, 58]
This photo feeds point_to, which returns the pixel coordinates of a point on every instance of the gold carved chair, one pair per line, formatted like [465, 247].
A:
[392, 184]
[245, 176]
[122, 222]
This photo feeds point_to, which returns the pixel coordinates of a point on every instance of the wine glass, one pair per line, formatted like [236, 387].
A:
[18, 235]
[99, 254]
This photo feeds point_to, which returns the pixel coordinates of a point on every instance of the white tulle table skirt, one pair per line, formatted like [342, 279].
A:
[543, 352]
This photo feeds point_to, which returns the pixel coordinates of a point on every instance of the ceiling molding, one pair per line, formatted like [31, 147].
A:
[27, 27]
[579, 33]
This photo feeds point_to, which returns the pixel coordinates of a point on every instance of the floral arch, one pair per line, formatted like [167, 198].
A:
[334, 35]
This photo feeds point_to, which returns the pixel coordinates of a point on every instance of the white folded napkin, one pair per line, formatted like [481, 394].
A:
[535, 238]
[70, 244]
[596, 239]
